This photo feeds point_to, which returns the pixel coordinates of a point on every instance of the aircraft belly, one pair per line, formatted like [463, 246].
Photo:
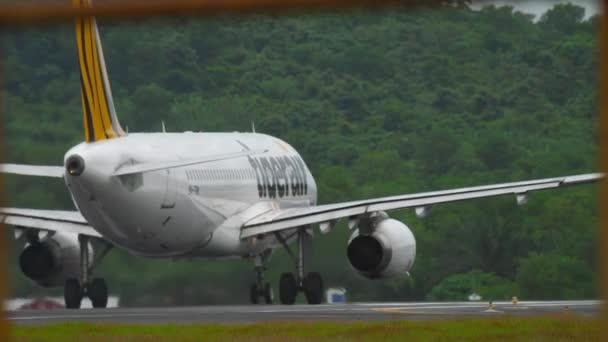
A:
[139, 219]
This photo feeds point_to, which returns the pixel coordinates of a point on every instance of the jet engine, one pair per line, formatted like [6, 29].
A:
[49, 262]
[381, 247]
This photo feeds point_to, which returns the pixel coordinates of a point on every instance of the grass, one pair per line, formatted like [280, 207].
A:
[548, 328]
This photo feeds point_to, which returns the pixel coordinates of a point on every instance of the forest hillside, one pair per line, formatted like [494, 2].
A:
[381, 103]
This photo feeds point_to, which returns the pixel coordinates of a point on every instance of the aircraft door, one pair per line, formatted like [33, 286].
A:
[170, 191]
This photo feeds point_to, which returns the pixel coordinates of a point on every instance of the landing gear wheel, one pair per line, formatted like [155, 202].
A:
[288, 289]
[72, 294]
[97, 292]
[268, 294]
[253, 294]
[313, 288]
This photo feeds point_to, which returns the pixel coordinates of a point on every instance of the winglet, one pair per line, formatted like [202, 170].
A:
[99, 114]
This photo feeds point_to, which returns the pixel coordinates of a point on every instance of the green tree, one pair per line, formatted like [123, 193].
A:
[460, 286]
[563, 18]
[554, 276]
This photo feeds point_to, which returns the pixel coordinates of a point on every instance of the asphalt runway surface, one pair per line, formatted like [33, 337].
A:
[324, 312]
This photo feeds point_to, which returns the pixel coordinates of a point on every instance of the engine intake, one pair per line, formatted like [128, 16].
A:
[365, 253]
[40, 260]
[51, 261]
[388, 250]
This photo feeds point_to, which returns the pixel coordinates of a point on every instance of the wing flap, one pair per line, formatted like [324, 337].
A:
[294, 217]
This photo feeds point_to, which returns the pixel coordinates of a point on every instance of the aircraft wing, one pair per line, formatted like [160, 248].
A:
[32, 170]
[47, 220]
[328, 215]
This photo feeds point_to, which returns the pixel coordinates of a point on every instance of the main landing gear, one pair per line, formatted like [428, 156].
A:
[289, 285]
[96, 289]
[311, 283]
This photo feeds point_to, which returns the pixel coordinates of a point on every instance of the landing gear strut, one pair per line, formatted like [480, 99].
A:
[96, 289]
[310, 283]
[260, 288]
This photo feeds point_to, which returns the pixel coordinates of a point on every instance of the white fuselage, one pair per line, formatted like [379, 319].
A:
[195, 210]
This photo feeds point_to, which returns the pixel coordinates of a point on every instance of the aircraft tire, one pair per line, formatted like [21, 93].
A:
[288, 289]
[72, 294]
[97, 292]
[253, 294]
[313, 288]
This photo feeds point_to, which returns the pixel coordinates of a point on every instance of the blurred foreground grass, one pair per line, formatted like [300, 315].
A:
[564, 327]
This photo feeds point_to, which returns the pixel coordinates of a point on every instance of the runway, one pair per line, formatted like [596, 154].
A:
[325, 312]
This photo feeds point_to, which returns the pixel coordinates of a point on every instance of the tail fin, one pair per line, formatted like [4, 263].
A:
[100, 121]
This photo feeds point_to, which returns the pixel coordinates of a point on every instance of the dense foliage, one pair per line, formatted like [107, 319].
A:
[378, 104]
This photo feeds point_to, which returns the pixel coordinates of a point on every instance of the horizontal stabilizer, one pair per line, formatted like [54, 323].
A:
[156, 166]
[32, 170]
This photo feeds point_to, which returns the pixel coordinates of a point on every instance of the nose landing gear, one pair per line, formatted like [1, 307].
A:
[260, 288]
[76, 289]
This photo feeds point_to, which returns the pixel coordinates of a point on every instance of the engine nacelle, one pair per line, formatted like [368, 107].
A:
[388, 250]
[53, 260]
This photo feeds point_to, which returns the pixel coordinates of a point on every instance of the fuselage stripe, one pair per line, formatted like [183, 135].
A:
[99, 134]
[87, 115]
[103, 105]
[85, 84]
[98, 121]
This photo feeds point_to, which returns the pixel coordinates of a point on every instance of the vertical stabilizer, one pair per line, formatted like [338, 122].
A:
[99, 115]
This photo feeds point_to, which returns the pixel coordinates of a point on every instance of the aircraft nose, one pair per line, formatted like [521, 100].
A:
[74, 165]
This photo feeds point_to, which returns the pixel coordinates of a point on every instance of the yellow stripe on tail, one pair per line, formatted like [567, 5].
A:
[99, 115]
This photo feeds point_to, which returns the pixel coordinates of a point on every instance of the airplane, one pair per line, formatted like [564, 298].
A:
[205, 195]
